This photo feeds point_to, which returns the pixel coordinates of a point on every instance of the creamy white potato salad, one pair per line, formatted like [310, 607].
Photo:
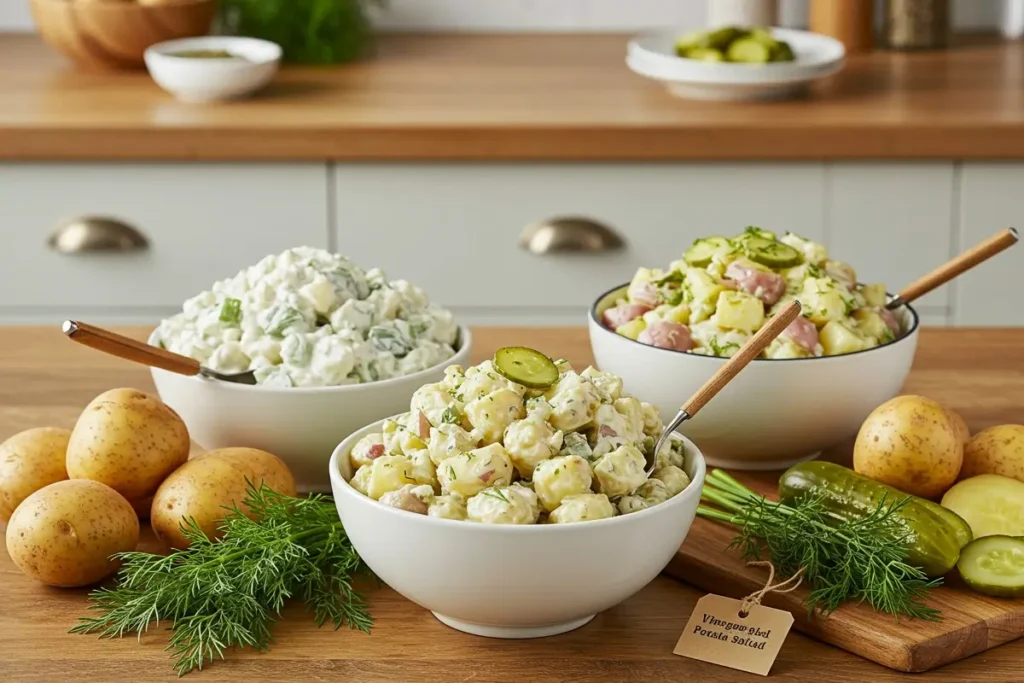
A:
[307, 317]
[723, 290]
[481, 447]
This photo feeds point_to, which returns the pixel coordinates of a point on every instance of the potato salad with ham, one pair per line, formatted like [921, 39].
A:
[307, 317]
[724, 289]
[519, 440]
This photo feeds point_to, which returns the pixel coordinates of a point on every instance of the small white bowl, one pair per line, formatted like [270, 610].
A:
[193, 79]
[776, 412]
[301, 425]
[509, 581]
[653, 55]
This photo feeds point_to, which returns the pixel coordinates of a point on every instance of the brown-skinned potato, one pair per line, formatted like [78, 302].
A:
[30, 460]
[996, 450]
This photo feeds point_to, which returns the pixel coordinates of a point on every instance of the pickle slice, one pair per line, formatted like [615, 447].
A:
[994, 565]
[526, 366]
[771, 253]
[700, 254]
[748, 51]
[705, 54]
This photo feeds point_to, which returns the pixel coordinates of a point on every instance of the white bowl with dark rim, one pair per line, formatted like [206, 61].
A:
[775, 413]
[514, 581]
[301, 425]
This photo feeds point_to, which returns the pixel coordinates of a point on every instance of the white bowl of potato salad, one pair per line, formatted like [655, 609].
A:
[668, 330]
[509, 471]
[333, 346]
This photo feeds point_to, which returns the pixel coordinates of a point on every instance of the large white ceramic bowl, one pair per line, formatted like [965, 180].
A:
[212, 80]
[775, 413]
[301, 425]
[653, 55]
[508, 581]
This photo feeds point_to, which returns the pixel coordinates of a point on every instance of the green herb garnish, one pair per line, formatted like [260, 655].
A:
[231, 311]
[217, 595]
[495, 493]
[860, 560]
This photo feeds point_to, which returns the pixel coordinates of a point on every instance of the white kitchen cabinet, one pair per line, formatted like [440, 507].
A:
[991, 198]
[453, 229]
[203, 222]
[893, 222]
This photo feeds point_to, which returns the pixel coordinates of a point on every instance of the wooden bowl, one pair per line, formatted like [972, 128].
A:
[114, 34]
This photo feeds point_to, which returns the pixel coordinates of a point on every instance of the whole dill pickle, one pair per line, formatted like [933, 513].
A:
[937, 534]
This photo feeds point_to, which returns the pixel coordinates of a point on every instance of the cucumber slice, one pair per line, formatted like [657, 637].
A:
[525, 366]
[771, 253]
[994, 565]
[748, 51]
[993, 505]
[700, 254]
[782, 52]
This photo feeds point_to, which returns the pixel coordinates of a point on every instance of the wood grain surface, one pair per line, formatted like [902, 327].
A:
[511, 97]
[46, 380]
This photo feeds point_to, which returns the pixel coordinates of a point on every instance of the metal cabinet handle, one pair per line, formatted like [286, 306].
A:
[569, 234]
[90, 234]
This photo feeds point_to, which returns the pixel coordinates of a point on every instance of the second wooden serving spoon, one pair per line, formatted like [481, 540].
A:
[748, 352]
[140, 352]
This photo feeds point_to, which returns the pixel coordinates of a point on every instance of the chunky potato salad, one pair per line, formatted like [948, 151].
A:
[483, 447]
[307, 317]
[723, 290]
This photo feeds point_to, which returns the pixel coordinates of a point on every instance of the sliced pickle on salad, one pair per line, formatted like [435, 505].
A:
[703, 250]
[526, 366]
[771, 253]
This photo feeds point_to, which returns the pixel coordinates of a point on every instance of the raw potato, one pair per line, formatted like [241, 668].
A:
[991, 504]
[128, 441]
[996, 450]
[29, 461]
[65, 534]
[963, 434]
[203, 487]
[909, 443]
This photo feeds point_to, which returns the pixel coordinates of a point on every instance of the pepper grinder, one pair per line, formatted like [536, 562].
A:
[917, 24]
[851, 22]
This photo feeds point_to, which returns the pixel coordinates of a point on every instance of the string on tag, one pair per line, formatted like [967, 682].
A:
[787, 586]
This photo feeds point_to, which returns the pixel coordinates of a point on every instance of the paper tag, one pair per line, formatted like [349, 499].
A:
[717, 633]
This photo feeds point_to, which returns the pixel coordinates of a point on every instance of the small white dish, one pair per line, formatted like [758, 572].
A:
[514, 581]
[653, 55]
[192, 79]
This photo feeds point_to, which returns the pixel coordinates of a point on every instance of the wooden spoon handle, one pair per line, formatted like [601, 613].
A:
[754, 346]
[129, 349]
[965, 261]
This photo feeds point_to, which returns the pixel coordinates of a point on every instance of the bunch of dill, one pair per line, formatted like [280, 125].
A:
[226, 593]
[862, 560]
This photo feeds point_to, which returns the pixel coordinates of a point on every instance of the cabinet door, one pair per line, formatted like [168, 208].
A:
[893, 223]
[453, 228]
[202, 223]
[992, 198]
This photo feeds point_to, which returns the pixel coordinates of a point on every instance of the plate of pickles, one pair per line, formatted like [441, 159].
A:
[735, 62]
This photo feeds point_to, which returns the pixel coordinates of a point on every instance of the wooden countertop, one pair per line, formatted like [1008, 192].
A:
[44, 379]
[509, 97]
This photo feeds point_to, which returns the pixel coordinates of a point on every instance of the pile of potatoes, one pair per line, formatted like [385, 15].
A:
[923, 448]
[73, 499]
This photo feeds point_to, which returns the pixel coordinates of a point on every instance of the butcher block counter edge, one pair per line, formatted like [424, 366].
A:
[507, 97]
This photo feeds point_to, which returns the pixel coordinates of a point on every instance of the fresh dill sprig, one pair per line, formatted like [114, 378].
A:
[226, 593]
[862, 560]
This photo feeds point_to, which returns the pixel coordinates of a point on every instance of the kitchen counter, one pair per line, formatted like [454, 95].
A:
[517, 97]
[44, 379]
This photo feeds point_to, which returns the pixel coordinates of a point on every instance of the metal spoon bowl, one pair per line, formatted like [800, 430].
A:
[146, 354]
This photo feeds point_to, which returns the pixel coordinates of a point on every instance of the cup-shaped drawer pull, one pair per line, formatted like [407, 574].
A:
[91, 234]
[566, 234]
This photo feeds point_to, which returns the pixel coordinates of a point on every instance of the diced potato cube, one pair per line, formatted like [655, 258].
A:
[874, 295]
[703, 293]
[823, 300]
[870, 324]
[837, 338]
[678, 314]
[632, 329]
[739, 311]
[388, 473]
[784, 348]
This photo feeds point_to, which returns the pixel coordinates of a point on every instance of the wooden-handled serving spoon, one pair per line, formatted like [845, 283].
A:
[140, 352]
[748, 352]
[1002, 240]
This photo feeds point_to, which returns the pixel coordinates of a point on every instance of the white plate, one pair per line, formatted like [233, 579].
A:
[653, 55]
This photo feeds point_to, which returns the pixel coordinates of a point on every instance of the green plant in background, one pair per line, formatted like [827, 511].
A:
[309, 31]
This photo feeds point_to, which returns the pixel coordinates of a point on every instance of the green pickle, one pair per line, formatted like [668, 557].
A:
[936, 539]
[705, 54]
[771, 252]
[748, 51]
[700, 254]
[734, 44]
[994, 565]
[526, 366]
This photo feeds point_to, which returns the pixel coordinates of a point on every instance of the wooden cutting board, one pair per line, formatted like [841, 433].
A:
[971, 623]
